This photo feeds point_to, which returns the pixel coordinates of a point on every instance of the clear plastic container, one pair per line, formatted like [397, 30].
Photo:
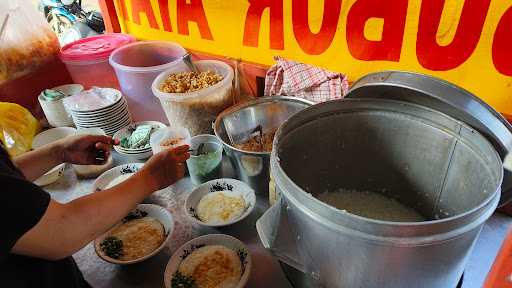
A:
[206, 164]
[87, 59]
[169, 133]
[136, 66]
[197, 110]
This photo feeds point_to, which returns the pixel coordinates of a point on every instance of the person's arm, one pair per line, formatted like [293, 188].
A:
[35, 163]
[66, 228]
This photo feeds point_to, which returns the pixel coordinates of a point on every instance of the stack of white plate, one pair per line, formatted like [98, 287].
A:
[111, 115]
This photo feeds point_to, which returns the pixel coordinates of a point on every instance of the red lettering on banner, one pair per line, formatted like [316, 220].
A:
[435, 57]
[501, 44]
[164, 13]
[315, 43]
[143, 6]
[253, 23]
[390, 45]
[124, 11]
[193, 12]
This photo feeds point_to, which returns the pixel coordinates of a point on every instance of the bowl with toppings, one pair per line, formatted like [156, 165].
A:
[116, 175]
[220, 202]
[209, 261]
[194, 99]
[137, 237]
[247, 132]
[134, 139]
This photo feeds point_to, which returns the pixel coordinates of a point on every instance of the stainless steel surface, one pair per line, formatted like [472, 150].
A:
[421, 157]
[239, 121]
[444, 97]
[266, 270]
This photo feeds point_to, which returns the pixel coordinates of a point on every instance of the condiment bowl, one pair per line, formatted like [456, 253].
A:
[205, 240]
[126, 131]
[47, 137]
[159, 213]
[223, 184]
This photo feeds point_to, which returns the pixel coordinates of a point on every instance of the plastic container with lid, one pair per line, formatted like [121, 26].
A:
[197, 110]
[87, 59]
[137, 65]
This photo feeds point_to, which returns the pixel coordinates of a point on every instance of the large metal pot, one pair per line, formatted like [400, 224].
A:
[425, 159]
[269, 112]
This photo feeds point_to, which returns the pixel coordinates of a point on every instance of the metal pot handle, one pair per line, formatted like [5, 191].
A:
[276, 236]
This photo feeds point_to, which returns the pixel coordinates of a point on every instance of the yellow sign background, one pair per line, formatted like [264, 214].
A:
[226, 20]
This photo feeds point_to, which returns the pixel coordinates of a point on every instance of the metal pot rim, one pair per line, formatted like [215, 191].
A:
[250, 103]
[280, 176]
[450, 99]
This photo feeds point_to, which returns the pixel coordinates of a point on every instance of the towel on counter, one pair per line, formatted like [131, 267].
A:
[304, 81]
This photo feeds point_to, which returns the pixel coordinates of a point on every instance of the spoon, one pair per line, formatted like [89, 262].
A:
[4, 25]
[507, 163]
[199, 151]
[188, 61]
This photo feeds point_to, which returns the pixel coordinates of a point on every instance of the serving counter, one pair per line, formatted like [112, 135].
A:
[266, 271]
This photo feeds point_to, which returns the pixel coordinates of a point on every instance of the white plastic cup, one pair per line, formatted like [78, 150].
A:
[136, 66]
[197, 110]
[55, 112]
[168, 133]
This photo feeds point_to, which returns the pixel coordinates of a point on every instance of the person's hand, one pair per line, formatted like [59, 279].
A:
[165, 168]
[85, 149]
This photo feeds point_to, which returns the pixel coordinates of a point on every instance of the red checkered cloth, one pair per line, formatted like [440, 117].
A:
[304, 81]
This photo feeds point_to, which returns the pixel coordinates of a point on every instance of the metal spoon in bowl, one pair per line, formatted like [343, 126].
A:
[188, 61]
[507, 163]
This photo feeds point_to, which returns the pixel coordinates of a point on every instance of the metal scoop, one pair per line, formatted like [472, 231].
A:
[507, 162]
[188, 61]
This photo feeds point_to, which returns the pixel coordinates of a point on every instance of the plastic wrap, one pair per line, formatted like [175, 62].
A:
[27, 41]
[17, 128]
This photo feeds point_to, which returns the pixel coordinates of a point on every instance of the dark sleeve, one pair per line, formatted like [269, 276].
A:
[23, 205]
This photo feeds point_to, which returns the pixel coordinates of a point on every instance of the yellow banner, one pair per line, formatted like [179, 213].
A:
[466, 42]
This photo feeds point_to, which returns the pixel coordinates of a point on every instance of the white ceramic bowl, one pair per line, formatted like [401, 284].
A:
[159, 213]
[69, 89]
[137, 156]
[211, 239]
[108, 176]
[227, 184]
[126, 131]
[142, 155]
[46, 137]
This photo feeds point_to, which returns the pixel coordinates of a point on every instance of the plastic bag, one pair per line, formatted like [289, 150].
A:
[17, 128]
[27, 41]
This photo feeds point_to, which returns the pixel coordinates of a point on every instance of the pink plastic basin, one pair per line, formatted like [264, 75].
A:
[87, 59]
